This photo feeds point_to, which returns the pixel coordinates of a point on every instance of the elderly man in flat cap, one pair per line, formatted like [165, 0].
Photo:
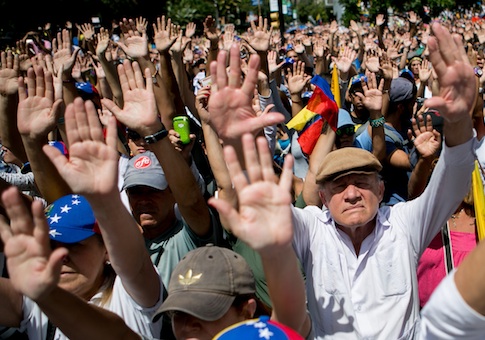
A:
[359, 259]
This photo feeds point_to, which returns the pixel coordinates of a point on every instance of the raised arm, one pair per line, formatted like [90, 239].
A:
[140, 114]
[9, 73]
[35, 272]
[92, 171]
[457, 85]
[38, 112]
[264, 202]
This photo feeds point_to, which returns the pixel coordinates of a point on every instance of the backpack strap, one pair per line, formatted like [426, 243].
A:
[448, 254]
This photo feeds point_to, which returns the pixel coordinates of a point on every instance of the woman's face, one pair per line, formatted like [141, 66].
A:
[415, 66]
[82, 270]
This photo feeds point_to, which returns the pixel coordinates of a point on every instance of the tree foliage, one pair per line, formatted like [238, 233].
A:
[307, 9]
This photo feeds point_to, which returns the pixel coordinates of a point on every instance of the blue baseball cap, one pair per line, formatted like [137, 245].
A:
[356, 82]
[71, 219]
[344, 118]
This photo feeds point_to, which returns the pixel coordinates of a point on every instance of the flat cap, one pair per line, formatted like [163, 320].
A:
[345, 161]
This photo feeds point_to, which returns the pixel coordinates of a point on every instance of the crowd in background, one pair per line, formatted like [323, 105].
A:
[173, 230]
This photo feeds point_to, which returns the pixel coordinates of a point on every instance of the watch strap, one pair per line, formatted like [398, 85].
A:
[158, 136]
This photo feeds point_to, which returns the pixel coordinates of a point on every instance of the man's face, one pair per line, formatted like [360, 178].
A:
[353, 200]
[186, 326]
[357, 100]
[151, 207]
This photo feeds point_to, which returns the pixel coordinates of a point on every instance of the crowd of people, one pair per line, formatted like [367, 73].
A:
[115, 227]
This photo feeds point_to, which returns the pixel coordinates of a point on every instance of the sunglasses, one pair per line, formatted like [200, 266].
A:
[133, 135]
[346, 130]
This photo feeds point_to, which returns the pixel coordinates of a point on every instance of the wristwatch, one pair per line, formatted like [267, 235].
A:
[151, 139]
[478, 71]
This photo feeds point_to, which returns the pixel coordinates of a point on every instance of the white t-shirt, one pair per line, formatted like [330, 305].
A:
[374, 295]
[448, 316]
[139, 319]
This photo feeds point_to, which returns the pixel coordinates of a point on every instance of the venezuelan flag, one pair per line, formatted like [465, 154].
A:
[309, 121]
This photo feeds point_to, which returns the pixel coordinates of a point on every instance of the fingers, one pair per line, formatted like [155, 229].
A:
[234, 66]
[5, 231]
[251, 158]
[252, 76]
[41, 228]
[267, 170]
[286, 177]
[20, 218]
[239, 180]
[227, 212]
[221, 75]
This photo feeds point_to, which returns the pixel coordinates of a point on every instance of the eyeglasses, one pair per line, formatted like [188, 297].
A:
[346, 130]
[133, 135]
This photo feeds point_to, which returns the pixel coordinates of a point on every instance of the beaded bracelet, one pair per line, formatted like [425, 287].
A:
[377, 122]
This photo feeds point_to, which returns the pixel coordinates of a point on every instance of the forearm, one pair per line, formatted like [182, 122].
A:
[104, 88]
[170, 82]
[9, 132]
[459, 132]
[126, 248]
[419, 177]
[184, 186]
[323, 147]
[470, 278]
[112, 79]
[286, 288]
[68, 312]
[50, 184]
[378, 136]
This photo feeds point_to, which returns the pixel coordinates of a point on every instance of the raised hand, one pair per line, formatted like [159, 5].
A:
[297, 79]
[135, 44]
[141, 25]
[372, 60]
[33, 269]
[424, 71]
[260, 35]
[103, 42]
[38, 110]
[427, 140]
[457, 81]
[64, 57]
[180, 43]
[210, 30]
[230, 108]
[372, 96]
[345, 58]
[87, 30]
[92, 166]
[262, 201]
[190, 30]
[274, 65]
[163, 35]
[9, 72]
[139, 111]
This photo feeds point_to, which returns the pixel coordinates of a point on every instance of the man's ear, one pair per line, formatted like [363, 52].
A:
[381, 190]
[249, 309]
[321, 194]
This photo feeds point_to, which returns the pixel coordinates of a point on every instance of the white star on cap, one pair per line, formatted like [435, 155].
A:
[259, 324]
[65, 209]
[55, 218]
[54, 233]
[76, 202]
[265, 333]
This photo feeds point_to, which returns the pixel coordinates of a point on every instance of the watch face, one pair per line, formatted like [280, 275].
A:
[478, 71]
